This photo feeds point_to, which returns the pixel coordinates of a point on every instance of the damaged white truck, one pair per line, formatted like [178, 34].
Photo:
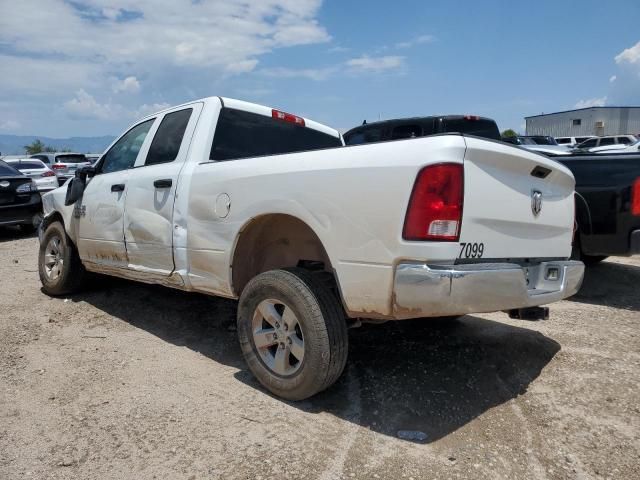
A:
[239, 200]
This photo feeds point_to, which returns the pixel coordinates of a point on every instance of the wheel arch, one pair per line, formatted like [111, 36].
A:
[272, 241]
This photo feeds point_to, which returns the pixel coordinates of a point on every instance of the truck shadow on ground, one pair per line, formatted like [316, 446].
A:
[429, 375]
[10, 234]
[611, 284]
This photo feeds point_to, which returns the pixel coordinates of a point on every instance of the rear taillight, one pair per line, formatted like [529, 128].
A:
[635, 198]
[472, 117]
[48, 173]
[287, 117]
[435, 207]
[58, 166]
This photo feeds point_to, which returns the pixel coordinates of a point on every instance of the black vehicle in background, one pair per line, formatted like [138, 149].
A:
[607, 204]
[607, 185]
[20, 202]
[403, 128]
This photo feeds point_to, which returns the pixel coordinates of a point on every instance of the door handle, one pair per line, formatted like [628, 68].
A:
[118, 187]
[163, 183]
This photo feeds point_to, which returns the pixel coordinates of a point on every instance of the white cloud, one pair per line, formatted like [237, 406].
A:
[317, 74]
[366, 63]
[84, 105]
[420, 40]
[591, 102]
[629, 55]
[9, 125]
[338, 49]
[126, 85]
[146, 109]
[613, 78]
[228, 36]
[361, 65]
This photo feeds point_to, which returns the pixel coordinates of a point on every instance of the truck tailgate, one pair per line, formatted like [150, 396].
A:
[517, 204]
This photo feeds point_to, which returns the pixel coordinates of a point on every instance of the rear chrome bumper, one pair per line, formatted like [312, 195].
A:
[423, 290]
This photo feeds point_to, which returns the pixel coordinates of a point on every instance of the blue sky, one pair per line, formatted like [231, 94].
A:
[75, 68]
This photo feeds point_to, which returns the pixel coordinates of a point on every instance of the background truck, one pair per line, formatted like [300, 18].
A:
[243, 201]
[607, 204]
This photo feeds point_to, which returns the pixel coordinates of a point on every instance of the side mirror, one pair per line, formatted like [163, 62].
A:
[75, 189]
[86, 171]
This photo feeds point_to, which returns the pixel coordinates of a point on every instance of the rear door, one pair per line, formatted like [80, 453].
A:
[148, 219]
[517, 204]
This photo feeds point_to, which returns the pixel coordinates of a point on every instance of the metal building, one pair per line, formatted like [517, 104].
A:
[586, 121]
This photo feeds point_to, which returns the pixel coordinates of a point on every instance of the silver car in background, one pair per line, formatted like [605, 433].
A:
[44, 177]
[64, 164]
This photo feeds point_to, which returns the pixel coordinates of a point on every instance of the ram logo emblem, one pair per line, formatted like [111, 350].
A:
[536, 202]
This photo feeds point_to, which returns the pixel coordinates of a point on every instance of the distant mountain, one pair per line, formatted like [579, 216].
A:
[14, 144]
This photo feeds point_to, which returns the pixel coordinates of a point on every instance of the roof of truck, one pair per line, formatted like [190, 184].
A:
[255, 108]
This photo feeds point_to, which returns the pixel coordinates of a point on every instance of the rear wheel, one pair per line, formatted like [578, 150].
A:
[59, 266]
[292, 332]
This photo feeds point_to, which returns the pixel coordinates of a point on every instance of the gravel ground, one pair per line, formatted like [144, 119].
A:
[128, 381]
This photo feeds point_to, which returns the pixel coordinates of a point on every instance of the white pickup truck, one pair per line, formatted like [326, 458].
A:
[242, 201]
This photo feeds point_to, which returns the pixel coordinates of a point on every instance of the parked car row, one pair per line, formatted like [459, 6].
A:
[44, 177]
[20, 201]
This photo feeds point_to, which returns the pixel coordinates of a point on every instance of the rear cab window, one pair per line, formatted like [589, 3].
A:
[27, 165]
[366, 135]
[242, 134]
[71, 158]
[472, 125]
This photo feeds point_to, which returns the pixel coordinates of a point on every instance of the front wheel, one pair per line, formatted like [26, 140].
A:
[292, 332]
[59, 266]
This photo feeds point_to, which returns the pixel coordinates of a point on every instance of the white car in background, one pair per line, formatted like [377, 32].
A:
[43, 176]
[571, 142]
[609, 142]
[619, 148]
[64, 164]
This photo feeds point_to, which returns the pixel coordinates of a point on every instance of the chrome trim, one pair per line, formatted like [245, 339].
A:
[423, 290]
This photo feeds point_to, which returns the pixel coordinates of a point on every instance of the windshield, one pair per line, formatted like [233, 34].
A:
[544, 140]
[6, 169]
[72, 158]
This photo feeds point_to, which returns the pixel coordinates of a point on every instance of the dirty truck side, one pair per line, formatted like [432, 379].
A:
[243, 201]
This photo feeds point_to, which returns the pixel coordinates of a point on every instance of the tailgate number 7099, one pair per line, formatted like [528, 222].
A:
[471, 250]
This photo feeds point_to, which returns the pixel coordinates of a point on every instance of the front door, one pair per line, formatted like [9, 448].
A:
[100, 213]
[148, 218]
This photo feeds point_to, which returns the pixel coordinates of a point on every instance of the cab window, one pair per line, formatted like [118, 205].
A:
[124, 153]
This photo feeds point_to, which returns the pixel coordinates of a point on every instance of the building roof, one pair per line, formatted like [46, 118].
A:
[579, 110]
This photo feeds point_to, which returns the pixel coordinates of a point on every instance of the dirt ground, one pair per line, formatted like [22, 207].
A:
[128, 381]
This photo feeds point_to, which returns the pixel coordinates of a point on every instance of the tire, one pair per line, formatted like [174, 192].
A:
[303, 360]
[592, 259]
[61, 271]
